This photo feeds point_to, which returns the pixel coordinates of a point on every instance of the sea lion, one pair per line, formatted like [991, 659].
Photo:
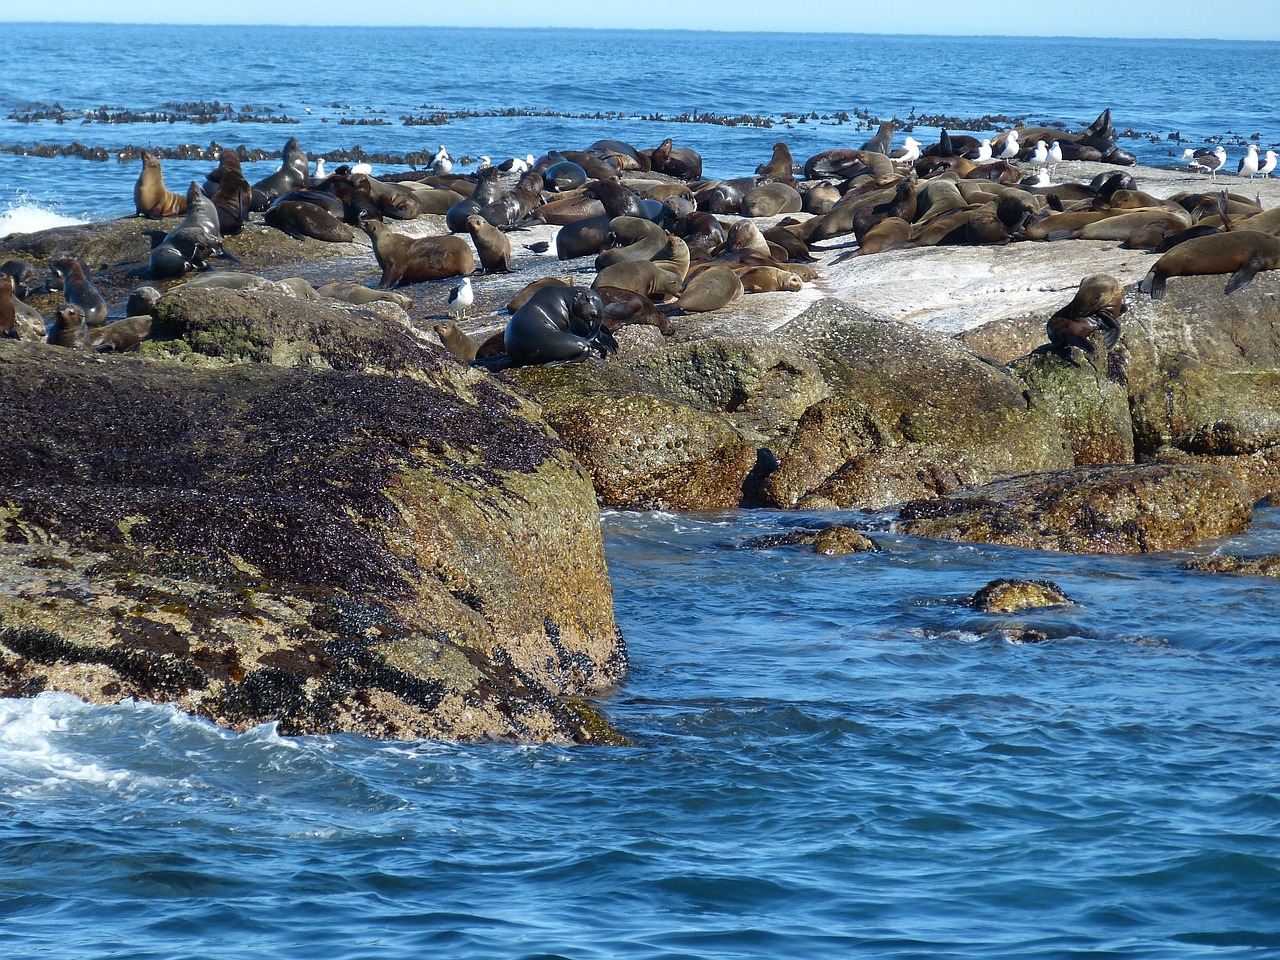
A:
[150, 197]
[233, 197]
[620, 154]
[352, 291]
[72, 275]
[117, 336]
[819, 198]
[1097, 305]
[455, 341]
[779, 166]
[517, 205]
[142, 300]
[642, 276]
[622, 307]
[631, 238]
[64, 330]
[8, 314]
[407, 260]
[322, 199]
[618, 199]
[189, 245]
[27, 277]
[882, 142]
[434, 201]
[491, 244]
[294, 172]
[529, 289]
[394, 200]
[702, 230]
[487, 189]
[745, 236]
[301, 220]
[888, 233]
[769, 280]
[582, 237]
[1241, 253]
[558, 325]
[564, 176]
[676, 161]
[710, 289]
[771, 199]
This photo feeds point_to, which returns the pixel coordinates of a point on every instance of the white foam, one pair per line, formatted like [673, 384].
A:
[30, 757]
[23, 216]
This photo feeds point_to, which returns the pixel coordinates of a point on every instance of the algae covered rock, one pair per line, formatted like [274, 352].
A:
[1012, 596]
[835, 539]
[910, 412]
[644, 449]
[1088, 396]
[1114, 509]
[396, 556]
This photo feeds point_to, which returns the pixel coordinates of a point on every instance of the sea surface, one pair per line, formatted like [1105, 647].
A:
[834, 756]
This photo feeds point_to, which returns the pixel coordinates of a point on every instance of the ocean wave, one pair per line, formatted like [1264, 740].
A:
[25, 216]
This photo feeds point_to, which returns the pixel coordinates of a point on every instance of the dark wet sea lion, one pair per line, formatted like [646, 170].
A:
[8, 313]
[701, 230]
[326, 201]
[394, 200]
[1241, 253]
[709, 289]
[492, 245]
[620, 153]
[233, 197]
[487, 189]
[564, 176]
[622, 307]
[27, 277]
[142, 300]
[529, 289]
[1097, 305]
[78, 289]
[517, 205]
[557, 325]
[189, 245]
[779, 165]
[675, 161]
[582, 237]
[150, 197]
[300, 220]
[293, 173]
[407, 260]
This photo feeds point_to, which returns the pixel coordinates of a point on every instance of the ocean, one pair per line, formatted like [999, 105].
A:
[833, 756]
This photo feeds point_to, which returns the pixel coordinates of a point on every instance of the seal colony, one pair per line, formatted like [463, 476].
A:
[668, 243]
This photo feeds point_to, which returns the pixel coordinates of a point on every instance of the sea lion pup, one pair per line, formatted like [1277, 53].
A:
[676, 161]
[393, 200]
[189, 245]
[779, 166]
[558, 325]
[1097, 305]
[150, 198]
[643, 276]
[1241, 253]
[492, 245]
[771, 199]
[487, 189]
[709, 289]
[64, 330]
[455, 341]
[294, 172]
[352, 291]
[407, 260]
[27, 277]
[623, 307]
[745, 237]
[72, 275]
[117, 336]
[517, 205]
[8, 313]
[769, 280]
[233, 197]
[300, 220]
[631, 238]
[529, 289]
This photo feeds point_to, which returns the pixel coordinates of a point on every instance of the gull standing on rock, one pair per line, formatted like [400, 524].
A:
[1268, 164]
[461, 298]
[1040, 156]
[1055, 155]
[1011, 146]
[1248, 163]
[909, 152]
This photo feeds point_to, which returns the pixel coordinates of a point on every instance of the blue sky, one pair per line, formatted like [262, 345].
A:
[1256, 20]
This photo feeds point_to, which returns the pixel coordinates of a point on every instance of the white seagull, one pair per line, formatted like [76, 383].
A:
[516, 165]
[1268, 164]
[1011, 146]
[319, 175]
[1055, 154]
[1040, 156]
[1205, 161]
[441, 162]
[909, 152]
[461, 298]
[984, 152]
[1248, 163]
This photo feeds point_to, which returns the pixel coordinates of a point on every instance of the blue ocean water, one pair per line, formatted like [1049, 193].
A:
[833, 756]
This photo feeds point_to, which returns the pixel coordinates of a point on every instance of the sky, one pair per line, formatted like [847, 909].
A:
[1256, 20]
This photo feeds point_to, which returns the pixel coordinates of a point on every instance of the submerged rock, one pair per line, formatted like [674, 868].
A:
[1011, 596]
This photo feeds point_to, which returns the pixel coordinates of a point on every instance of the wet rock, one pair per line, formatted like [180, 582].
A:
[408, 556]
[1011, 596]
[1114, 509]
[833, 540]
[1246, 566]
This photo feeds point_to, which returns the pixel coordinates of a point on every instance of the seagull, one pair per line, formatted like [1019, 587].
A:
[441, 162]
[1011, 146]
[361, 168]
[1040, 157]
[982, 154]
[1269, 164]
[1055, 154]
[1205, 161]
[516, 165]
[460, 298]
[1041, 179]
[1248, 163]
[909, 152]
[319, 169]
[485, 163]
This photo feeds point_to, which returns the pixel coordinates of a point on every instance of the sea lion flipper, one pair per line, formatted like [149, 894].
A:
[1246, 273]
[1152, 284]
[1110, 328]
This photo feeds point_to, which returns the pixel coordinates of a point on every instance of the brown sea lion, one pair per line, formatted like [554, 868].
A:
[435, 201]
[487, 189]
[566, 210]
[631, 238]
[771, 199]
[819, 198]
[8, 314]
[779, 166]
[1241, 253]
[623, 307]
[189, 245]
[492, 245]
[294, 172]
[456, 342]
[117, 336]
[710, 289]
[352, 291]
[516, 205]
[888, 233]
[642, 276]
[745, 237]
[233, 197]
[301, 220]
[1097, 305]
[407, 260]
[676, 161]
[64, 330]
[150, 197]
[769, 280]
[72, 275]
